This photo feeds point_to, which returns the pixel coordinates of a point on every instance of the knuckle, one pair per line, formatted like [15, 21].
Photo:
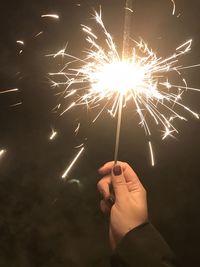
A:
[119, 182]
[131, 186]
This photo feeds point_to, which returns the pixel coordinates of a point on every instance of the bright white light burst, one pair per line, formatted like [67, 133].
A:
[102, 79]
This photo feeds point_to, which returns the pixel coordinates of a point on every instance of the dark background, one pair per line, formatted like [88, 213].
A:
[47, 221]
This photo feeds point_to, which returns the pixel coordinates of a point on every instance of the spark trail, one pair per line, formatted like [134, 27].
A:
[125, 55]
[53, 135]
[53, 16]
[73, 162]
[9, 91]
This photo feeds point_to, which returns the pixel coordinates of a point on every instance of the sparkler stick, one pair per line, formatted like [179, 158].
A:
[127, 28]
[125, 54]
[119, 119]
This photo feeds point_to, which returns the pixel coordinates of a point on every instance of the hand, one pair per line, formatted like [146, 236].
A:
[130, 207]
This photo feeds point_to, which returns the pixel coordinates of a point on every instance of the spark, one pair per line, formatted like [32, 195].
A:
[39, 33]
[187, 46]
[75, 181]
[77, 128]
[9, 91]
[70, 106]
[101, 79]
[174, 7]
[2, 152]
[53, 135]
[17, 104]
[59, 53]
[152, 155]
[80, 146]
[73, 162]
[57, 73]
[20, 42]
[129, 9]
[54, 16]
[167, 132]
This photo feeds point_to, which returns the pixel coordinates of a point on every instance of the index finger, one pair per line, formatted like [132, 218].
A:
[107, 167]
[129, 174]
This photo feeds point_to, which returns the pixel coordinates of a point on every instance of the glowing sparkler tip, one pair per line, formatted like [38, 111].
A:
[141, 77]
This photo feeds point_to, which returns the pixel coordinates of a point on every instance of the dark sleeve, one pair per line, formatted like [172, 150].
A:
[143, 247]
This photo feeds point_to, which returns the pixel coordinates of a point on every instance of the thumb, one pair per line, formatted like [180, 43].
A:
[119, 183]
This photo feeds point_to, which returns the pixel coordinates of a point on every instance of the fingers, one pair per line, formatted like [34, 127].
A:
[129, 174]
[123, 179]
[105, 207]
[133, 182]
[104, 187]
[119, 183]
[107, 168]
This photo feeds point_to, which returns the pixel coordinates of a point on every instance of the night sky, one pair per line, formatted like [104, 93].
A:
[47, 221]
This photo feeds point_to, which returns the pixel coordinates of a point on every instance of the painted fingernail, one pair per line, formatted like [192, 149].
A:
[117, 170]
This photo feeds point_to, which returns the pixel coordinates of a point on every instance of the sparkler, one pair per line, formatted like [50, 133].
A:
[105, 81]
[125, 55]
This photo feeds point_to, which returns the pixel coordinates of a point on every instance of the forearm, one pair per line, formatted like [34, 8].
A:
[143, 247]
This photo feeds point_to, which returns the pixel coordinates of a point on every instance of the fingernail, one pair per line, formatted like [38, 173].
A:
[117, 170]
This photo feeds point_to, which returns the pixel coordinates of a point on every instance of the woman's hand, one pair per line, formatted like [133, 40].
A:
[130, 207]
